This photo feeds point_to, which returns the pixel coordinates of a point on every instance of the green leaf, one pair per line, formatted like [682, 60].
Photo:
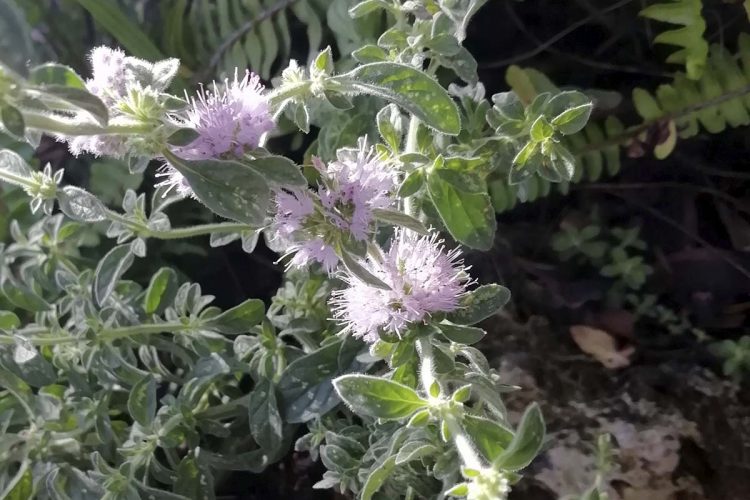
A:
[469, 217]
[194, 481]
[461, 334]
[80, 205]
[266, 425]
[16, 45]
[390, 126]
[465, 174]
[277, 170]
[24, 488]
[479, 304]
[490, 438]
[378, 397]
[368, 6]
[80, 99]
[56, 74]
[573, 120]
[182, 137]
[108, 14]
[358, 270]
[142, 401]
[414, 450]
[412, 183]
[305, 387]
[400, 219]
[24, 297]
[508, 106]
[338, 100]
[238, 319]
[559, 166]
[526, 443]
[323, 62]
[409, 88]
[161, 290]
[13, 121]
[369, 54]
[377, 478]
[9, 320]
[109, 271]
[12, 163]
[228, 188]
[541, 130]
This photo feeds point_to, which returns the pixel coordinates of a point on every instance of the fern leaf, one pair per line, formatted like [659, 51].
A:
[693, 48]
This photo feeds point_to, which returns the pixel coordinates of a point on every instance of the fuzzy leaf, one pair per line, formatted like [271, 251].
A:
[479, 304]
[378, 397]
[409, 88]
[229, 188]
[238, 319]
[56, 74]
[526, 442]
[161, 290]
[469, 217]
[110, 269]
[80, 205]
[142, 401]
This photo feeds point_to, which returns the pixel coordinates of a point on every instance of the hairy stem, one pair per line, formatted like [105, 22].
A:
[40, 336]
[16, 180]
[57, 125]
[143, 230]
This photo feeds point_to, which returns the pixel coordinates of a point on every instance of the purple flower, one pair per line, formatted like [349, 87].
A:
[229, 121]
[111, 77]
[352, 187]
[423, 277]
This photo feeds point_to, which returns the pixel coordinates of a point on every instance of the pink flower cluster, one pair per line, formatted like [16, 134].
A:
[230, 121]
[423, 280]
[110, 79]
[351, 188]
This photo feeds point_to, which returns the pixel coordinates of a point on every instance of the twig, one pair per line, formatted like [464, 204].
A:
[550, 41]
[668, 220]
[582, 60]
[619, 139]
[658, 185]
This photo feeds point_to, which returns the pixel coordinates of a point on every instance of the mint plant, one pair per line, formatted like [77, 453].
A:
[120, 389]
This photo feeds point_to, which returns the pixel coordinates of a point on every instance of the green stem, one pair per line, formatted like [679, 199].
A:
[143, 230]
[464, 446]
[411, 147]
[16, 180]
[461, 440]
[427, 364]
[40, 336]
[280, 95]
[49, 123]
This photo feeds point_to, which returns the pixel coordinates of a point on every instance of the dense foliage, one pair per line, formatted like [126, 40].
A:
[367, 165]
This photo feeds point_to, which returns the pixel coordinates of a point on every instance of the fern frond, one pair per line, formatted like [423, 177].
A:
[220, 35]
[693, 48]
[718, 100]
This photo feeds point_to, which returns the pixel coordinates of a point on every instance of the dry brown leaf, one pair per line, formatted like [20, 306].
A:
[601, 346]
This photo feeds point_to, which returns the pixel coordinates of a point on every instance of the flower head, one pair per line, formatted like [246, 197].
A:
[352, 187]
[423, 279]
[110, 79]
[229, 120]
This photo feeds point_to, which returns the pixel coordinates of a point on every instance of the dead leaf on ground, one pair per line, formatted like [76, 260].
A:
[601, 346]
